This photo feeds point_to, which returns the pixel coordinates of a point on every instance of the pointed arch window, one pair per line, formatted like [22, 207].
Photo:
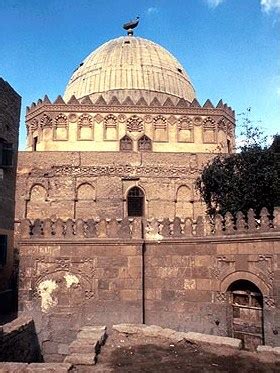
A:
[135, 202]
[126, 143]
[144, 143]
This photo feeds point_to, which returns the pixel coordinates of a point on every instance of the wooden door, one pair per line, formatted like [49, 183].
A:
[247, 318]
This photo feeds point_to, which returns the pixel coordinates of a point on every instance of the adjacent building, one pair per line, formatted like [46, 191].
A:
[10, 103]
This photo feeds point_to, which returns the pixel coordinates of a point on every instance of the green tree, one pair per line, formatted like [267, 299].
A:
[247, 179]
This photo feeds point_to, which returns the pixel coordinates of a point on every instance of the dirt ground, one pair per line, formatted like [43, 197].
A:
[127, 353]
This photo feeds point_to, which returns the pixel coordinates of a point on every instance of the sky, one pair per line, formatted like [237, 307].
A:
[230, 48]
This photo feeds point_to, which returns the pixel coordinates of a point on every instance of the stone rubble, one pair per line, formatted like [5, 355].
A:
[199, 338]
[85, 348]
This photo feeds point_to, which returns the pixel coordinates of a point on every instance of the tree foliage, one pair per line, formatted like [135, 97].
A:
[243, 180]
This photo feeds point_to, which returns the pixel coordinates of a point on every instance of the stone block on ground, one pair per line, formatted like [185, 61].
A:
[269, 352]
[49, 368]
[177, 336]
[213, 340]
[83, 345]
[35, 368]
[95, 328]
[129, 328]
[81, 359]
[13, 367]
[92, 335]
[152, 331]
[265, 349]
[276, 351]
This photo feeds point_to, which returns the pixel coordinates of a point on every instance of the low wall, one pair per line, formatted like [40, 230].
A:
[186, 282]
[65, 286]
[19, 342]
[78, 273]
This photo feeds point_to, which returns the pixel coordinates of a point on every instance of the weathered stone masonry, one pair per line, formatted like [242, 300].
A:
[10, 103]
[178, 276]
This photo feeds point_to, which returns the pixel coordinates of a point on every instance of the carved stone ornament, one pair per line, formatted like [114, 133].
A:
[269, 302]
[222, 126]
[126, 170]
[135, 124]
[61, 120]
[172, 119]
[98, 118]
[72, 117]
[263, 265]
[34, 125]
[197, 121]
[160, 122]
[46, 121]
[121, 118]
[148, 119]
[223, 267]
[220, 297]
[85, 120]
[209, 123]
[110, 121]
[185, 123]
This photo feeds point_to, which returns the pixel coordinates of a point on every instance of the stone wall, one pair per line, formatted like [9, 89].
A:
[19, 342]
[91, 184]
[177, 275]
[10, 103]
[66, 284]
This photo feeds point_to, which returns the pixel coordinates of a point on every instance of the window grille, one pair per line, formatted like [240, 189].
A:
[126, 143]
[135, 202]
[144, 143]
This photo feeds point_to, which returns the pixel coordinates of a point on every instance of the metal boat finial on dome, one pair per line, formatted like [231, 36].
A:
[129, 26]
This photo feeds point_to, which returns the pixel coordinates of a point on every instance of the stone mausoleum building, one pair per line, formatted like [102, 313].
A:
[128, 128]
[112, 229]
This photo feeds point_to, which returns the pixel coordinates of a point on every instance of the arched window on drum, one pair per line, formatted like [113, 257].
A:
[135, 202]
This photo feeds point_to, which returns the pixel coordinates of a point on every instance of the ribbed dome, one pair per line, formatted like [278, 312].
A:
[130, 66]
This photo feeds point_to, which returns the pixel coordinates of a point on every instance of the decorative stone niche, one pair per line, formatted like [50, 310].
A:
[60, 128]
[185, 130]
[85, 128]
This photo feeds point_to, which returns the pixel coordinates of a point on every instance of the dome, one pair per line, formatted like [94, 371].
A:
[130, 66]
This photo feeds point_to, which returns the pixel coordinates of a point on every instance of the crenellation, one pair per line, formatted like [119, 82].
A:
[131, 228]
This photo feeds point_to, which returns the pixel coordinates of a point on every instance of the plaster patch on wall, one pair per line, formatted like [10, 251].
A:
[189, 284]
[71, 280]
[45, 290]
[152, 234]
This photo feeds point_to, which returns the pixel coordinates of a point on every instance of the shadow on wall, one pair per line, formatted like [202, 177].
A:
[9, 296]
[19, 341]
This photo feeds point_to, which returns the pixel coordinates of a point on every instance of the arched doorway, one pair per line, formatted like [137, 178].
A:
[246, 313]
[135, 202]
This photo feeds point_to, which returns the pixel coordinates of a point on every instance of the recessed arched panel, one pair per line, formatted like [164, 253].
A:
[85, 203]
[38, 193]
[37, 205]
[184, 205]
[85, 192]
